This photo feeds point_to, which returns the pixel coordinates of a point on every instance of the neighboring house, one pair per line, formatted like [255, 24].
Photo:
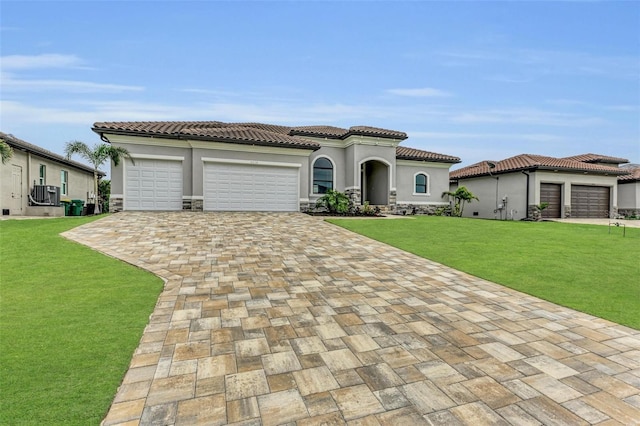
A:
[629, 191]
[579, 187]
[45, 176]
[215, 166]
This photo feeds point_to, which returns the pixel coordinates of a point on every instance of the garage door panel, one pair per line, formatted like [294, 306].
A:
[590, 201]
[551, 193]
[244, 187]
[154, 185]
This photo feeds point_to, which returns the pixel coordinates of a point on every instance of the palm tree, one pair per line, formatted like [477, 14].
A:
[461, 195]
[6, 152]
[97, 157]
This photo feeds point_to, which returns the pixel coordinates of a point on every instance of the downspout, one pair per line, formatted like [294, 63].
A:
[526, 207]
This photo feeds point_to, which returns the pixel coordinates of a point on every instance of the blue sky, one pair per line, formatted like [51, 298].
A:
[479, 80]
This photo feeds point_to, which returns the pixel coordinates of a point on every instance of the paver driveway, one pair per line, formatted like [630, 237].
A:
[283, 318]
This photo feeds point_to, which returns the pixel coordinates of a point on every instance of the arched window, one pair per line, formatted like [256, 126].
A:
[422, 184]
[322, 176]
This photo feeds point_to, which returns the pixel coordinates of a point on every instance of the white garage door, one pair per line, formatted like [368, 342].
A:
[153, 185]
[250, 187]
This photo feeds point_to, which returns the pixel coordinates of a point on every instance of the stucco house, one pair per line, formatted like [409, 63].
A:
[584, 186]
[216, 166]
[629, 191]
[45, 176]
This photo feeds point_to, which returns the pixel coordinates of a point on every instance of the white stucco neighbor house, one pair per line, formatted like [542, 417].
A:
[216, 166]
[583, 186]
[34, 180]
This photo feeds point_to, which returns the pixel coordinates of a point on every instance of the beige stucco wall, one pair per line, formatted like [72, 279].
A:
[79, 185]
[629, 196]
[438, 182]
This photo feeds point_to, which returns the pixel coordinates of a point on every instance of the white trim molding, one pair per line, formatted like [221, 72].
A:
[221, 146]
[423, 203]
[157, 157]
[250, 162]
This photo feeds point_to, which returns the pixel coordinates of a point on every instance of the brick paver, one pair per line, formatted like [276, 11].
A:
[286, 319]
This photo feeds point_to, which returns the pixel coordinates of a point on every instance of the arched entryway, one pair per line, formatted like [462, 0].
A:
[374, 181]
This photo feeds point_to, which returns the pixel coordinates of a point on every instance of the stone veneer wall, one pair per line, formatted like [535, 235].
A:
[629, 212]
[419, 209]
[193, 205]
[115, 205]
[354, 195]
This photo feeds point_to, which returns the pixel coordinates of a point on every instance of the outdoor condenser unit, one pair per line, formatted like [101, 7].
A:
[46, 195]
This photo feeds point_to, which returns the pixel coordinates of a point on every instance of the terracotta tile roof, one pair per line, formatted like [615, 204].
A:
[531, 162]
[340, 133]
[632, 176]
[268, 134]
[14, 142]
[375, 131]
[248, 135]
[243, 133]
[319, 131]
[404, 153]
[597, 158]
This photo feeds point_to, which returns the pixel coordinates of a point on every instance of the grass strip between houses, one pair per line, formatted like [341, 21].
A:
[70, 320]
[583, 267]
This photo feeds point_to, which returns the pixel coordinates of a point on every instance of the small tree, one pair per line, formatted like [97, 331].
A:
[460, 196]
[97, 156]
[6, 152]
[540, 207]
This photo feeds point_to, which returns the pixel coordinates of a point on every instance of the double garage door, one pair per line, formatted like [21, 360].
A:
[157, 185]
[586, 201]
[250, 187]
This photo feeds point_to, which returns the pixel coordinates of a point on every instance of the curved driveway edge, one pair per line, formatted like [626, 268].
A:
[286, 319]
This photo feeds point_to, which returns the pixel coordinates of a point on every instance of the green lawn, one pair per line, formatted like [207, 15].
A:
[579, 266]
[70, 319]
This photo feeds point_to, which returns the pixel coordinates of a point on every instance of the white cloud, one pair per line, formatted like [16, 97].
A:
[26, 85]
[424, 92]
[525, 116]
[51, 60]
[533, 137]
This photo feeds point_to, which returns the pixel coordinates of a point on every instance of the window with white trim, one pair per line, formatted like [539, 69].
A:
[64, 182]
[43, 175]
[421, 183]
[322, 175]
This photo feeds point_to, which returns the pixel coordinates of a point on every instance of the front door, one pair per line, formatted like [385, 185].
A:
[16, 190]
[374, 181]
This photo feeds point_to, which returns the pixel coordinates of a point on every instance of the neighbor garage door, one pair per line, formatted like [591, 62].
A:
[153, 185]
[589, 201]
[250, 187]
[551, 193]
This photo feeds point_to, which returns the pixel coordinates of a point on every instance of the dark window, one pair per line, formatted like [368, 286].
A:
[322, 176]
[421, 183]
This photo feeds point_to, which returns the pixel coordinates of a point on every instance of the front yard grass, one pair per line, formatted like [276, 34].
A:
[70, 320]
[579, 266]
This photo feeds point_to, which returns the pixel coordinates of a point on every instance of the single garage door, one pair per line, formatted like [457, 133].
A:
[153, 185]
[250, 187]
[551, 193]
[589, 201]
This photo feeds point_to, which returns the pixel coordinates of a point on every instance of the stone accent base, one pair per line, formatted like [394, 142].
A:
[393, 196]
[115, 205]
[192, 205]
[354, 195]
[409, 209]
[629, 212]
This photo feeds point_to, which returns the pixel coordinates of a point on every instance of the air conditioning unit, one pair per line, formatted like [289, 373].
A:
[46, 195]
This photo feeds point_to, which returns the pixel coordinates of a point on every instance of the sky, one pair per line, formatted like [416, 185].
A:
[478, 80]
